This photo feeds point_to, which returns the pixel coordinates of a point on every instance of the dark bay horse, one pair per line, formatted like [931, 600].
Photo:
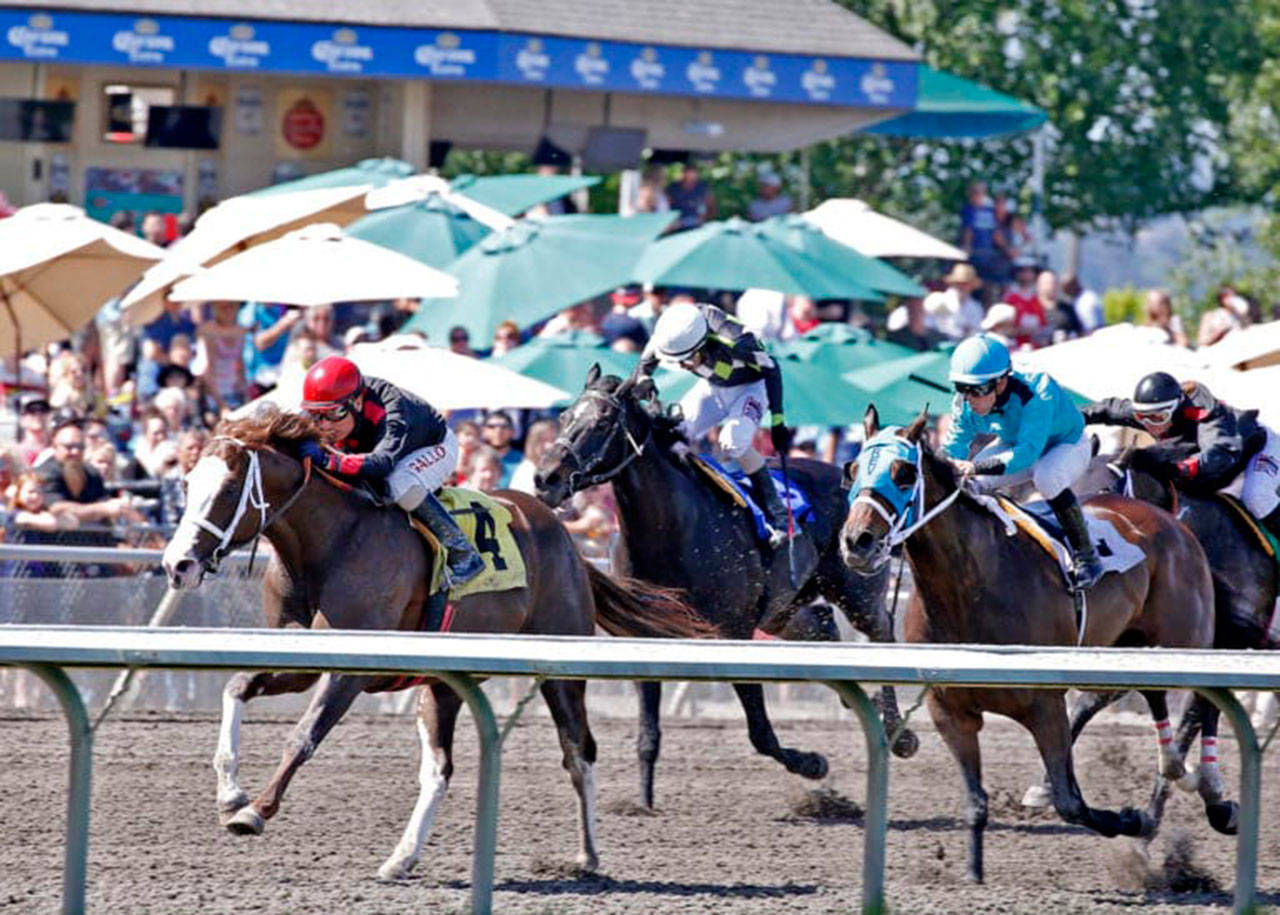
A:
[676, 531]
[1245, 583]
[975, 584]
[340, 562]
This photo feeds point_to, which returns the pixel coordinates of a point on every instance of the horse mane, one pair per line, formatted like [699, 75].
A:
[267, 426]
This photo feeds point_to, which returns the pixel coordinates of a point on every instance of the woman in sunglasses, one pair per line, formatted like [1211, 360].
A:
[1039, 434]
[374, 430]
[1205, 444]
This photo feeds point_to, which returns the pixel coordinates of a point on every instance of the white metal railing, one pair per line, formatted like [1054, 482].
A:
[460, 659]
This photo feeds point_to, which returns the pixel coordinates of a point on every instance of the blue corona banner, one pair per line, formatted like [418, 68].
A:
[554, 62]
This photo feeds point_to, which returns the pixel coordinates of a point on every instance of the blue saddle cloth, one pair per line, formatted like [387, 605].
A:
[790, 494]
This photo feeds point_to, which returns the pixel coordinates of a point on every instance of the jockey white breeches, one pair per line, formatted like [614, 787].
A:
[422, 472]
[1261, 490]
[739, 410]
[1055, 471]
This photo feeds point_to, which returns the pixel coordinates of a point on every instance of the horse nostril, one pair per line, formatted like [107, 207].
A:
[864, 543]
[183, 566]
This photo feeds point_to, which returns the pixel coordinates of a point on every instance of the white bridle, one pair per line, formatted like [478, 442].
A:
[251, 496]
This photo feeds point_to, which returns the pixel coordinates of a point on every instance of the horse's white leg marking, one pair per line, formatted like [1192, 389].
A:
[584, 780]
[431, 790]
[226, 759]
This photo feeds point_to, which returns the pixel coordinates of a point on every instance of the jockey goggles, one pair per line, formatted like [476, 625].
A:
[1155, 414]
[966, 389]
[335, 414]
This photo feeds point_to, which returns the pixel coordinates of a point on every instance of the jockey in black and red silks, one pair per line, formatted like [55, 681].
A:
[1221, 442]
[374, 430]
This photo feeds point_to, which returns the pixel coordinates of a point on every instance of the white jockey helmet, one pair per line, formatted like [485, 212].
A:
[679, 332]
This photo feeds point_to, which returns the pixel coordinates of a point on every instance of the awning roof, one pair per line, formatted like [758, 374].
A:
[809, 27]
[948, 106]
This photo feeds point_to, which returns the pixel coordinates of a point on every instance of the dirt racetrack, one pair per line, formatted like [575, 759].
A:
[726, 837]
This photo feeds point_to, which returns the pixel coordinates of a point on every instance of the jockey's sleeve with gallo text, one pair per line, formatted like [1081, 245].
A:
[392, 424]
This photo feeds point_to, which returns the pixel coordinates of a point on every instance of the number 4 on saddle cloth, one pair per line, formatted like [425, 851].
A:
[487, 523]
[737, 486]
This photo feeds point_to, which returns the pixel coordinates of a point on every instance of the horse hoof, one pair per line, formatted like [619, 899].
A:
[1037, 796]
[972, 876]
[1137, 823]
[907, 744]
[229, 805]
[246, 822]
[586, 863]
[811, 766]
[1224, 816]
[394, 871]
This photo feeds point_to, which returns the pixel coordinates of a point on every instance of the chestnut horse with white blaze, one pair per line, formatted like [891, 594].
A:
[976, 584]
[339, 561]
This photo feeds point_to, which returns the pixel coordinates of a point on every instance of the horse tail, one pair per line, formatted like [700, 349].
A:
[630, 607]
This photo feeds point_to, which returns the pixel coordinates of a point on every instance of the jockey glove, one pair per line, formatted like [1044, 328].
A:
[781, 436]
[320, 456]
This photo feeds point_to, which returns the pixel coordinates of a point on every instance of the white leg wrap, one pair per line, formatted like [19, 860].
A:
[584, 779]
[432, 786]
[1210, 787]
[226, 759]
[1171, 764]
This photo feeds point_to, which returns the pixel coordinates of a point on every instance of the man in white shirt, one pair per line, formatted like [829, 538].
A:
[954, 311]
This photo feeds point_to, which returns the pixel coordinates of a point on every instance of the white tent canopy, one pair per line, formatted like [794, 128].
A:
[236, 225]
[1248, 348]
[852, 222]
[444, 379]
[315, 266]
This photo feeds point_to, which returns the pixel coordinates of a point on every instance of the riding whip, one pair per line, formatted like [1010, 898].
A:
[791, 520]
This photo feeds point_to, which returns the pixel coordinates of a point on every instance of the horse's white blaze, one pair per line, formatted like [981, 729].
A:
[204, 482]
[432, 786]
[226, 759]
[584, 779]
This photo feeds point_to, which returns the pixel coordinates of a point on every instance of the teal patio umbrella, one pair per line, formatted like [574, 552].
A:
[734, 254]
[804, 236]
[530, 271]
[515, 194]
[906, 385]
[375, 172]
[564, 360]
[839, 347]
[948, 106]
[432, 230]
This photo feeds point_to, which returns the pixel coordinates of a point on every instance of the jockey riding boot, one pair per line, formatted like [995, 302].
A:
[464, 561]
[1088, 568]
[768, 499]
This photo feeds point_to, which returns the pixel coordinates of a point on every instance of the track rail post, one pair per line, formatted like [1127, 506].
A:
[1250, 797]
[876, 824]
[77, 844]
[486, 841]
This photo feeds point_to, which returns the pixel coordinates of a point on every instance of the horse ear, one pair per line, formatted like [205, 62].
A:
[871, 421]
[593, 374]
[914, 431]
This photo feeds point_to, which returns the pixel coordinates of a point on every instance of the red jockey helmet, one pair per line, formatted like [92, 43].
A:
[330, 383]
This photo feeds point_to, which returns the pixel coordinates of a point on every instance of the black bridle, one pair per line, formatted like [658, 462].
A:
[584, 474]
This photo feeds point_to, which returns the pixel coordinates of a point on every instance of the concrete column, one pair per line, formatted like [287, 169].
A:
[415, 121]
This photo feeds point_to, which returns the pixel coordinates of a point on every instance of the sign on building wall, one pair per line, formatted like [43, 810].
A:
[248, 114]
[138, 190]
[357, 113]
[470, 55]
[304, 123]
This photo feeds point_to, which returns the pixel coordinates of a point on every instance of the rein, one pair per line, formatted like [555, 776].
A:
[585, 475]
[1125, 477]
[252, 496]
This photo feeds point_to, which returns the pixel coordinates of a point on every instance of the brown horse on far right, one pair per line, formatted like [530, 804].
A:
[975, 584]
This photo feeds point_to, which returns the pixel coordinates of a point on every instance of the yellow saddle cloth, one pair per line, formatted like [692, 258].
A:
[486, 522]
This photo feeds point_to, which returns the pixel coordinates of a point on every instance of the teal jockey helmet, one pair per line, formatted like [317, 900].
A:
[978, 360]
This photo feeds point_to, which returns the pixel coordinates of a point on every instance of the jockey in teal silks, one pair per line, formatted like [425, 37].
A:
[1039, 435]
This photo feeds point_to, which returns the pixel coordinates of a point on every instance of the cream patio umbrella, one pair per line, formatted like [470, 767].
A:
[234, 226]
[315, 265]
[417, 188]
[443, 378]
[57, 268]
[852, 222]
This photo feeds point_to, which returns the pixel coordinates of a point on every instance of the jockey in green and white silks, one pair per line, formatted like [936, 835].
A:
[739, 383]
[1039, 436]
